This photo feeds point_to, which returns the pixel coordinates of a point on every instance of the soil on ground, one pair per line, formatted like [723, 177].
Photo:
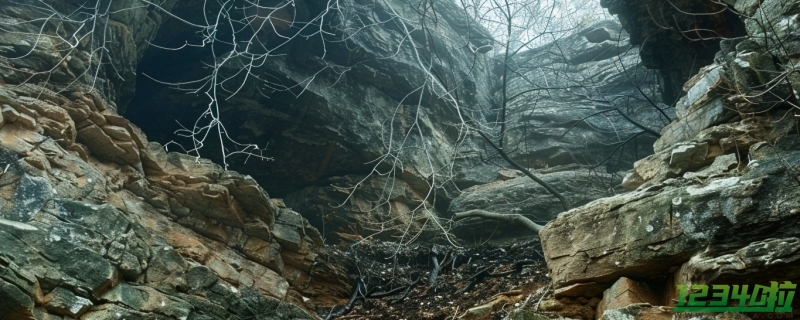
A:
[480, 282]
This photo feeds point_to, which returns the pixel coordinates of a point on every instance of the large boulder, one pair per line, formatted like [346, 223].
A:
[686, 224]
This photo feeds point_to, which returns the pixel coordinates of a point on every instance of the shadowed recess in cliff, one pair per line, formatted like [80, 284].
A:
[326, 99]
[676, 37]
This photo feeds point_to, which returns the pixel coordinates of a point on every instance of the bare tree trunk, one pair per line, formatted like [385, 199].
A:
[527, 172]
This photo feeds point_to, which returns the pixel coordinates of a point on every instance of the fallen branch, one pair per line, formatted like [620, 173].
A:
[517, 268]
[449, 262]
[507, 294]
[408, 290]
[525, 171]
[359, 289]
[510, 218]
[386, 293]
[544, 293]
[473, 280]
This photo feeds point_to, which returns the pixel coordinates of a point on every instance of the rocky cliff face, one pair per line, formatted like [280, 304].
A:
[717, 202]
[372, 97]
[582, 108]
[367, 85]
[579, 100]
[378, 94]
[97, 222]
[102, 222]
[570, 95]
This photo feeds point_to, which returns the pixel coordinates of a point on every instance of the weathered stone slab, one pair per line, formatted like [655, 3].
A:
[710, 113]
[688, 156]
[642, 233]
[63, 302]
[700, 89]
[148, 300]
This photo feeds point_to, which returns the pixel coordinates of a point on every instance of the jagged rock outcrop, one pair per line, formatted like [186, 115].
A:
[97, 222]
[670, 222]
[95, 232]
[717, 201]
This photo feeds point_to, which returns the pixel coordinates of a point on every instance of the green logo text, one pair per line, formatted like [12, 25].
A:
[772, 298]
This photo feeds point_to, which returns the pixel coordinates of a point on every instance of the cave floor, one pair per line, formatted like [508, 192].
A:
[477, 282]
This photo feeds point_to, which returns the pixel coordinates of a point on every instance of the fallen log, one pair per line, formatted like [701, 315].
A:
[510, 218]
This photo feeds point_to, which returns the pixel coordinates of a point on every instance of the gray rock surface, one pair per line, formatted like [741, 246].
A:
[544, 130]
[667, 225]
[342, 121]
[380, 208]
[363, 97]
[573, 97]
